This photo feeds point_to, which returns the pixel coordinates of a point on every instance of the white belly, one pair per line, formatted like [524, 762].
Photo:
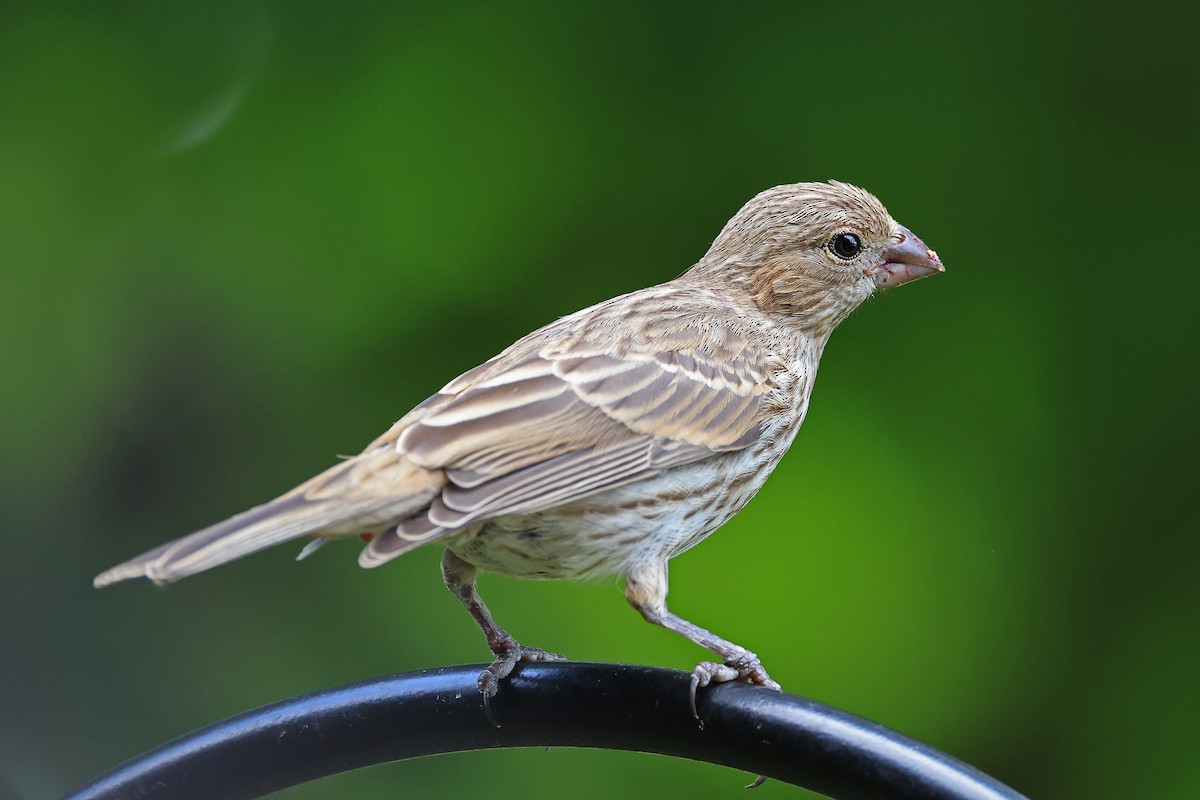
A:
[611, 532]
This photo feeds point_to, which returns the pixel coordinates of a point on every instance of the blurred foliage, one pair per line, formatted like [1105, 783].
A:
[239, 238]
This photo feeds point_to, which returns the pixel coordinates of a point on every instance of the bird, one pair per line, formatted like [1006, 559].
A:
[610, 440]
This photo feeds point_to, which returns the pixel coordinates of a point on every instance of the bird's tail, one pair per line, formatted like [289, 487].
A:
[364, 492]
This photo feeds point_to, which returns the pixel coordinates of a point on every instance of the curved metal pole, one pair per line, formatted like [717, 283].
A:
[569, 704]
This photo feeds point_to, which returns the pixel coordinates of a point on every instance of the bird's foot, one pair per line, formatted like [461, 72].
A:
[507, 658]
[508, 653]
[744, 667]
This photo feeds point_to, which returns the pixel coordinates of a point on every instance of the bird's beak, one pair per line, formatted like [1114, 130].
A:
[906, 260]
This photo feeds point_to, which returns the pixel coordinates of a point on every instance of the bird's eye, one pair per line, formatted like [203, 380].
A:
[845, 245]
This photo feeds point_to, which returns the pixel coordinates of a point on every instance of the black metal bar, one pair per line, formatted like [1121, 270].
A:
[569, 704]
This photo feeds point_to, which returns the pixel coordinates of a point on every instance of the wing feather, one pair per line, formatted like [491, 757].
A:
[539, 427]
[542, 485]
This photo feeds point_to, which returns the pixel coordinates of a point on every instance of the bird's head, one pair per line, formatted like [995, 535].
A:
[812, 252]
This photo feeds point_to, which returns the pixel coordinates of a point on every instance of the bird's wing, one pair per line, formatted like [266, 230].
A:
[568, 420]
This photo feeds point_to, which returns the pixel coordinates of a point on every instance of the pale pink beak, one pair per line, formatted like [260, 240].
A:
[906, 260]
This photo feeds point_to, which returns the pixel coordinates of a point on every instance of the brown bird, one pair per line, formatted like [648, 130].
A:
[608, 441]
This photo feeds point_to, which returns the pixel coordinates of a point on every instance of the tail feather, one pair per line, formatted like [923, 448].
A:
[367, 491]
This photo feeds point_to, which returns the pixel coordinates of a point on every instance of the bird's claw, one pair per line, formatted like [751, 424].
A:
[507, 656]
[742, 668]
[506, 661]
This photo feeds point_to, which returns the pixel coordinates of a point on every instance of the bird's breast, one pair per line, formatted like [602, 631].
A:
[652, 519]
[612, 532]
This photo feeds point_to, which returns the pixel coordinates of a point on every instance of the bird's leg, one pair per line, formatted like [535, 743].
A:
[460, 579]
[646, 590]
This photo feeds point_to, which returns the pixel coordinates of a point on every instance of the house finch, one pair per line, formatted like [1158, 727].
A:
[610, 440]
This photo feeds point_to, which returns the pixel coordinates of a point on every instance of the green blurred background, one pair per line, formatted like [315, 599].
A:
[237, 239]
